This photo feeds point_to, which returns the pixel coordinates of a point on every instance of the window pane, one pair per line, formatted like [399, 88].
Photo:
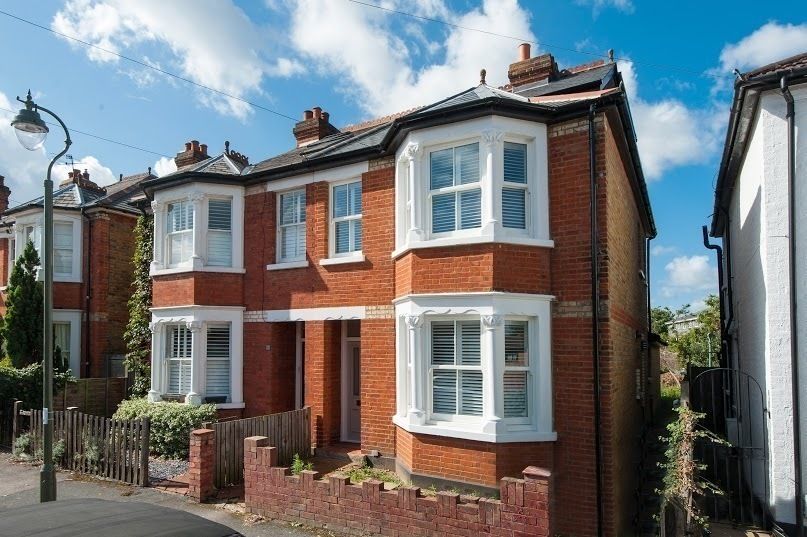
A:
[179, 363]
[354, 328]
[443, 213]
[470, 209]
[63, 235]
[471, 393]
[443, 343]
[354, 205]
[515, 343]
[292, 242]
[342, 238]
[61, 339]
[441, 168]
[466, 158]
[292, 207]
[444, 392]
[469, 343]
[515, 394]
[219, 214]
[357, 235]
[515, 162]
[340, 201]
[514, 214]
[180, 216]
[62, 261]
[219, 248]
[218, 361]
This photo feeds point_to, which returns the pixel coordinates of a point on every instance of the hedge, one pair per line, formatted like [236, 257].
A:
[25, 383]
[171, 423]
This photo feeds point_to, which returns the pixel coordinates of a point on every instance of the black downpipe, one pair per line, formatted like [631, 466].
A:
[595, 309]
[88, 295]
[729, 304]
[794, 335]
[720, 282]
[648, 353]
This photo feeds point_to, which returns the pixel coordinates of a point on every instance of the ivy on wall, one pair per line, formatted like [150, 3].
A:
[138, 334]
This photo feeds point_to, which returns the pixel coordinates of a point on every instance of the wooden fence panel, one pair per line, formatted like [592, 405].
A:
[95, 396]
[290, 432]
[116, 449]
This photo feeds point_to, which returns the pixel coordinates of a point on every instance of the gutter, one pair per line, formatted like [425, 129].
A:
[595, 312]
[794, 335]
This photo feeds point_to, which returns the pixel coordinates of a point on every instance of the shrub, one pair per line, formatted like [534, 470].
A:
[171, 423]
[298, 465]
[25, 384]
[22, 445]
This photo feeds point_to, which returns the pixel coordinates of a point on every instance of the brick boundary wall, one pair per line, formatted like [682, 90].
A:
[201, 464]
[525, 507]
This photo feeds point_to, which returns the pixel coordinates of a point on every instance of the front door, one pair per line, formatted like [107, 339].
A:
[352, 394]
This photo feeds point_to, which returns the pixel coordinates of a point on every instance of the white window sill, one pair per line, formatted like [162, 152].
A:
[467, 431]
[344, 260]
[441, 242]
[181, 270]
[228, 406]
[288, 265]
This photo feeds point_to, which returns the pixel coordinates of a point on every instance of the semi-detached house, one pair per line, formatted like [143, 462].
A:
[424, 282]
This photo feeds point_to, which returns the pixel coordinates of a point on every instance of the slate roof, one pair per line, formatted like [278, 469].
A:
[595, 78]
[221, 164]
[794, 62]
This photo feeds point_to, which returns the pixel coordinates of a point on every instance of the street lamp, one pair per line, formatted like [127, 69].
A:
[31, 131]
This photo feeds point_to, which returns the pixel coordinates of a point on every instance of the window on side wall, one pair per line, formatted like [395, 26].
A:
[180, 232]
[178, 354]
[291, 226]
[454, 189]
[61, 340]
[346, 219]
[63, 248]
[514, 187]
[219, 233]
[516, 370]
[217, 383]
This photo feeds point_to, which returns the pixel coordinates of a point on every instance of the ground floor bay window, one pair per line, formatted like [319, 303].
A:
[475, 366]
[197, 355]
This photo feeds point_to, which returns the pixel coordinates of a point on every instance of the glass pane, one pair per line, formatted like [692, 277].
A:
[515, 162]
[61, 339]
[354, 204]
[470, 209]
[441, 168]
[218, 342]
[219, 214]
[357, 235]
[514, 214]
[466, 159]
[63, 236]
[340, 202]
[342, 237]
[292, 242]
[515, 394]
[442, 342]
[219, 248]
[356, 372]
[469, 343]
[444, 392]
[515, 343]
[217, 382]
[471, 393]
[443, 213]
[63, 261]
[292, 207]
[354, 328]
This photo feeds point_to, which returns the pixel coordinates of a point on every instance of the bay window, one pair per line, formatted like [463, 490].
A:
[456, 372]
[67, 234]
[514, 188]
[516, 369]
[291, 226]
[63, 247]
[346, 221]
[180, 232]
[219, 233]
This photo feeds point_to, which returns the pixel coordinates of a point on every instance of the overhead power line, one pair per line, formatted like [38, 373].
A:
[533, 42]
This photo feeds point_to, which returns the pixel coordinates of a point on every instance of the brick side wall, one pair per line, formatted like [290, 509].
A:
[201, 288]
[323, 379]
[525, 507]
[269, 373]
[378, 385]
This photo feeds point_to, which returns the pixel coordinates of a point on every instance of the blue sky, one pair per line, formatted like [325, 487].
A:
[357, 62]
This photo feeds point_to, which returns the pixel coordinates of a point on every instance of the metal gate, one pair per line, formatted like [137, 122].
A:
[734, 406]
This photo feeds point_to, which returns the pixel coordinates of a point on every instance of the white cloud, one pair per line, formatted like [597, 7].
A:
[163, 166]
[597, 6]
[211, 42]
[660, 249]
[386, 80]
[25, 170]
[686, 275]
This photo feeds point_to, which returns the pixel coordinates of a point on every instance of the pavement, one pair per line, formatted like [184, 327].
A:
[19, 486]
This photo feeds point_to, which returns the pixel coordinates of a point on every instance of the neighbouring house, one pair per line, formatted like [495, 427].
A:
[761, 189]
[424, 282]
[683, 324]
[92, 269]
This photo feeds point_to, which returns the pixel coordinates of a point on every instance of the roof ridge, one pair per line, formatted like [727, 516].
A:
[379, 120]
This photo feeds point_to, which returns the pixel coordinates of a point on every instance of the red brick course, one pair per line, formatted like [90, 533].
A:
[201, 464]
[525, 508]
[200, 288]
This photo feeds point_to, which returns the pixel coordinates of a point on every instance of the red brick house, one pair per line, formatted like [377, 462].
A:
[425, 283]
[93, 247]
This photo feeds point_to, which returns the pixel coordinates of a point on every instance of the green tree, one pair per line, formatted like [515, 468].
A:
[22, 326]
[138, 334]
[700, 345]
[660, 319]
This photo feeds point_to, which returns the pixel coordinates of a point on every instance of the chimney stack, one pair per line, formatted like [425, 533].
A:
[528, 70]
[5, 192]
[315, 126]
[194, 152]
[76, 177]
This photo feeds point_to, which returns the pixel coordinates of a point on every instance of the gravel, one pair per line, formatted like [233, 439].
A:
[166, 468]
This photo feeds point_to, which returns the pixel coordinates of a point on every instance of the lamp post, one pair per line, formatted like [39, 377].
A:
[31, 131]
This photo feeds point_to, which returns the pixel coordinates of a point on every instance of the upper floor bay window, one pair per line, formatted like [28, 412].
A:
[346, 224]
[483, 180]
[197, 230]
[480, 369]
[67, 229]
[291, 226]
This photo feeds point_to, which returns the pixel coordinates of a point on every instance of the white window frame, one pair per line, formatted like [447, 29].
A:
[182, 361]
[228, 233]
[351, 255]
[228, 359]
[455, 189]
[73, 318]
[185, 205]
[413, 195]
[413, 380]
[304, 224]
[32, 219]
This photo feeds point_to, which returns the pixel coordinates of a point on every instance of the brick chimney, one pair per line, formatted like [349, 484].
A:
[527, 70]
[194, 152]
[314, 126]
[5, 192]
[81, 179]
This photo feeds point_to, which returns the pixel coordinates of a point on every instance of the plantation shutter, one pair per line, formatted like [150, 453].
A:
[470, 209]
[516, 373]
[179, 359]
[180, 231]
[347, 209]
[452, 169]
[218, 361]
[471, 393]
[292, 226]
[456, 389]
[219, 233]
[63, 247]
[466, 162]
[444, 212]
[514, 198]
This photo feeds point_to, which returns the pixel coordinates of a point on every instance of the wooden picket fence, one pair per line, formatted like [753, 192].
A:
[290, 432]
[115, 449]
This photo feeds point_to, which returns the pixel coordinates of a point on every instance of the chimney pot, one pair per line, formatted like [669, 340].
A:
[195, 145]
[86, 175]
[203, 149]
[308, 114]
[187, 146]
[317, 112]
[523, 52]
[325, 116]
[194, 152]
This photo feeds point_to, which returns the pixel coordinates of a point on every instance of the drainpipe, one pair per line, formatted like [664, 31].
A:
[648, 353]
[794, 335]
[595, 307]
[729, 303]
[88, 293]
[720, 281]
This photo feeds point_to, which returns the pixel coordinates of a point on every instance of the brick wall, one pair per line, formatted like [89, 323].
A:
[323, 379]
[201, 464]
[269, 373]
[200, 288]
[378, 385]
[525, 508]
